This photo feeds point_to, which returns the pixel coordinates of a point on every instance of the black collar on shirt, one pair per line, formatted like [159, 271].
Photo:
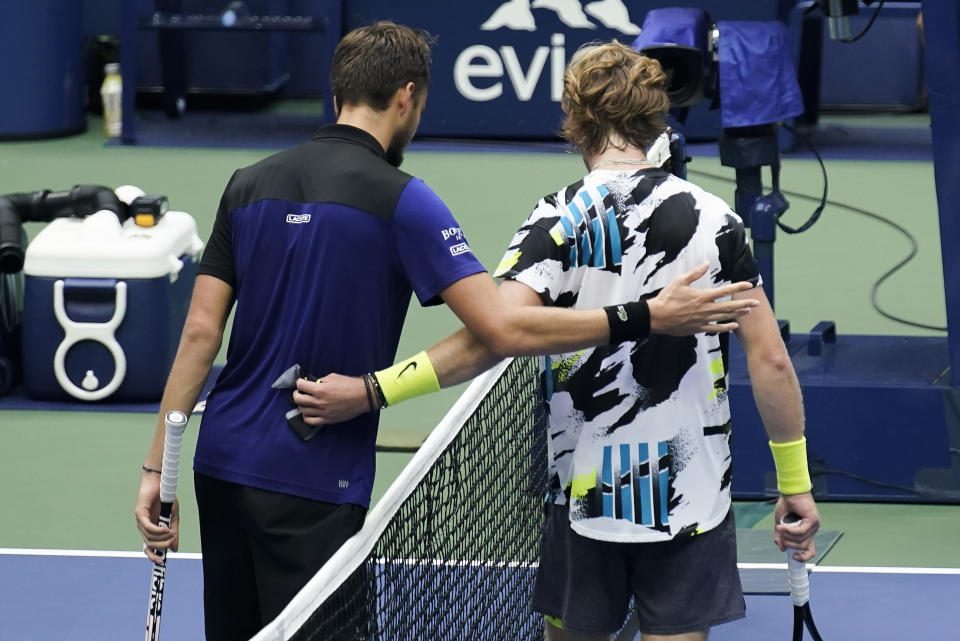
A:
[349, 133]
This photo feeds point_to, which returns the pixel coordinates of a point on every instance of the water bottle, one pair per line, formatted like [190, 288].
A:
[111, 91]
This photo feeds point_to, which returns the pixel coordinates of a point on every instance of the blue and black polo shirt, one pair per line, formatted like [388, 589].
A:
[323, 244]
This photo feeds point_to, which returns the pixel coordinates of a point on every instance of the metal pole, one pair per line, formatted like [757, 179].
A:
[942, 32]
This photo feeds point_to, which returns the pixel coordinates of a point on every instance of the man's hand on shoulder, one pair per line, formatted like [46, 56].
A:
[681, 310]
[332, 399]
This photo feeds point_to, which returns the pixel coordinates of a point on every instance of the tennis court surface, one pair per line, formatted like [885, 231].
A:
[80, 597]
[450, 552]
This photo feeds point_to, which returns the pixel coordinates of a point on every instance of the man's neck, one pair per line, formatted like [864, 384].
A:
[376, 123]
[611, 155]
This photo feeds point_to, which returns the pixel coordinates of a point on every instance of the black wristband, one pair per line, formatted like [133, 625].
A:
[150, 469]
[628, 322]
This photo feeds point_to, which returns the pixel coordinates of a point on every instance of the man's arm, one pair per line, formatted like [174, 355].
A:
[510, 330]
[199, 343]
[678, 309]
[779, 401]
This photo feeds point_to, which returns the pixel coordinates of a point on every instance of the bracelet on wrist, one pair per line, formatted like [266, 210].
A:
[150, 469]
[377, 391]
[369, 387]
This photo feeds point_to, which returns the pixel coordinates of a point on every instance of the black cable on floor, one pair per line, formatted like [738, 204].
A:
[863, 479]
[863, 212]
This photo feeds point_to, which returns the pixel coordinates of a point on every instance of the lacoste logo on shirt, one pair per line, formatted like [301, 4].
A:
[412, 364]
[298, 218]
[621, 313]
[462, 248]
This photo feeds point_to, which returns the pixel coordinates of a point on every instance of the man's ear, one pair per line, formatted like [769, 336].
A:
[406, 95]
[336, 107]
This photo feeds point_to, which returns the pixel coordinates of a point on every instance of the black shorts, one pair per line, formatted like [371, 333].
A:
[259, 548]
[679, 586]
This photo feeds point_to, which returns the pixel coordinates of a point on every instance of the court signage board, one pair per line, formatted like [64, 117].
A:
[498, 65]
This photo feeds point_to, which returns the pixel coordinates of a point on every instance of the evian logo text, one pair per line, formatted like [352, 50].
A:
[298, 218]
[481, 62]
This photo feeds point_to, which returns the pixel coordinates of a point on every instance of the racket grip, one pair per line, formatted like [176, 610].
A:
[797, 575]
[798, 578]
[175, 423]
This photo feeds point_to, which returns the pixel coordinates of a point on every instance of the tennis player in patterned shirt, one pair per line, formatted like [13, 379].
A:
[639, 430]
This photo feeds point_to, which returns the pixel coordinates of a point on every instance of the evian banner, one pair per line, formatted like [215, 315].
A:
[498, 64]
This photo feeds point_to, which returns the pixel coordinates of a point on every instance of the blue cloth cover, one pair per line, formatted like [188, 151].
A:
[673, 26]
[758, 80]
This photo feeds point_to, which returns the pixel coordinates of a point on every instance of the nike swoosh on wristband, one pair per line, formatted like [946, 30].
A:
[412, 364]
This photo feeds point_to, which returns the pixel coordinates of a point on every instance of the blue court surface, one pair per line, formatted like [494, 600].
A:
[102, 596]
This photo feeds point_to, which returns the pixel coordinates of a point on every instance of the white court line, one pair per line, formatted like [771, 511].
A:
[850, 569]
[883, 570]
[829, 569]
[92, 553]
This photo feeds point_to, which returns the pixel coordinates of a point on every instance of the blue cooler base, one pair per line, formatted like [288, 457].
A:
[882, 422]
[148, 335]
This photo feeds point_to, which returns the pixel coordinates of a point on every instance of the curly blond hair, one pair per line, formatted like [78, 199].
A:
[613, 96]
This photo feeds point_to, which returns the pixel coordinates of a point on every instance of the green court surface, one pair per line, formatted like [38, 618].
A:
[70, 478]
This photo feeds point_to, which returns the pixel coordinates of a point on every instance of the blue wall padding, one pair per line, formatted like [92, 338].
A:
[758, 79]
[41, 69]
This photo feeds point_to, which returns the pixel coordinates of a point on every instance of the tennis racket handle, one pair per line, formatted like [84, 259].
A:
[798, 578]
[166, 510]
[796, 570]
[175, 423]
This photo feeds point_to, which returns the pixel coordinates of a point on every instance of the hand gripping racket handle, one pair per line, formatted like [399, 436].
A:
[796, 570]
[175, 423]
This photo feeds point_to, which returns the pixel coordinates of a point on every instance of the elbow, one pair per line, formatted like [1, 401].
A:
[775, 363]
[779, 362]
[503, 345]
[200, 335]
[505, 340]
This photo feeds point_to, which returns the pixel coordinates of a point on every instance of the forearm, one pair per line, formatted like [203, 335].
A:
[777, 395]
[530, 331]
[188, 375]
[460, 357]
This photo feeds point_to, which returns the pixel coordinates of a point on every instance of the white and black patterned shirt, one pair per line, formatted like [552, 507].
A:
[638, 432]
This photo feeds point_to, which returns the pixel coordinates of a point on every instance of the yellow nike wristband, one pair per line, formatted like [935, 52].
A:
[407, 379]
[790, 458]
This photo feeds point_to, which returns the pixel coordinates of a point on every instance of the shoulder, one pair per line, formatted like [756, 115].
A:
[334, 171]
[417, 201]
[706, 202]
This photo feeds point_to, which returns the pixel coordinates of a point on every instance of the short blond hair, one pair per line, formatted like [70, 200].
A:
[613, 95]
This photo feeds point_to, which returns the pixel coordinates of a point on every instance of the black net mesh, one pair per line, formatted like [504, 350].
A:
[458, 559]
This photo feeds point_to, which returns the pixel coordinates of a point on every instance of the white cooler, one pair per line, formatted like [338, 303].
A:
[104, 305]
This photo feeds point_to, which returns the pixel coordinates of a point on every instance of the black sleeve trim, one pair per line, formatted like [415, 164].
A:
[217, 259]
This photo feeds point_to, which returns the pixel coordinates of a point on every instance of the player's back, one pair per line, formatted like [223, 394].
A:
[641, 422]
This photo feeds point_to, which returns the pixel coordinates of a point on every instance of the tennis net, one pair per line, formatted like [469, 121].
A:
[450, 551]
